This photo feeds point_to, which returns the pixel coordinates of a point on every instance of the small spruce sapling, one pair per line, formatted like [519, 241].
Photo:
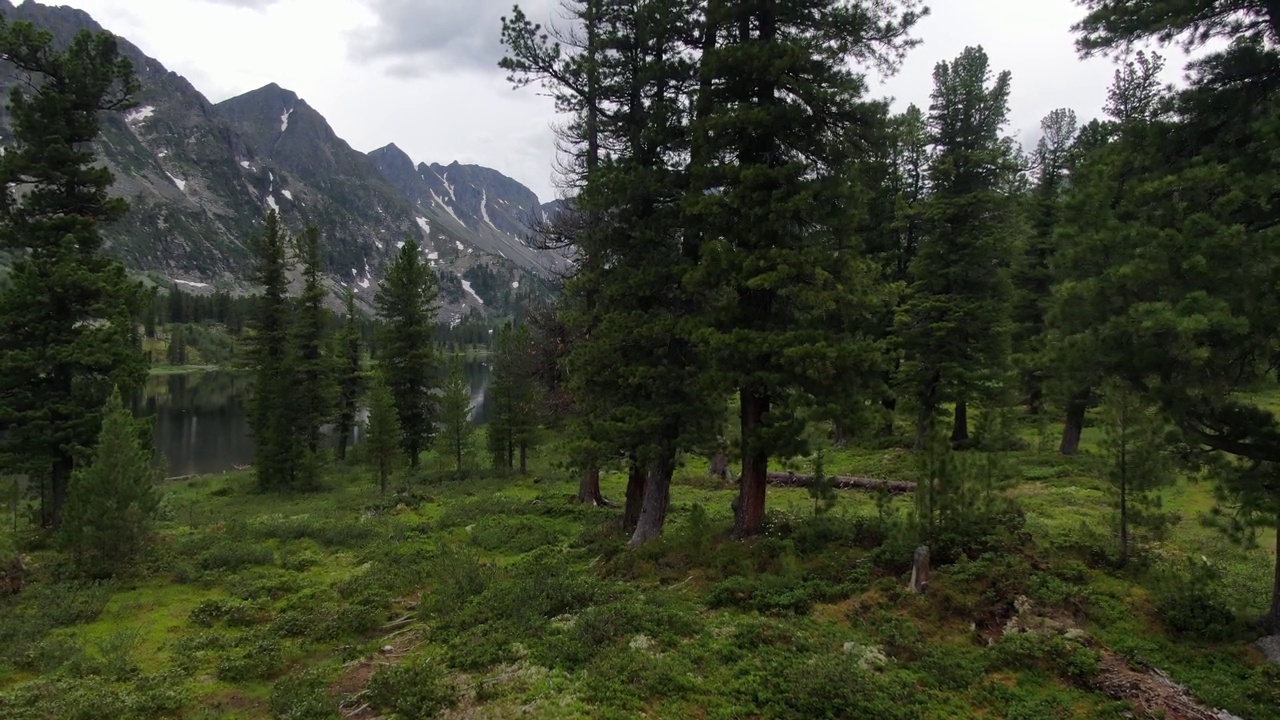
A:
[383, 428]
[112, 502]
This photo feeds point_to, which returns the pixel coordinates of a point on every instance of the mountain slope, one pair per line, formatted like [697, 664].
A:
[492, 211]
[201, 177]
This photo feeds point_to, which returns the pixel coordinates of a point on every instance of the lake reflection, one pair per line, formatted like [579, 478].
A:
[201, 419]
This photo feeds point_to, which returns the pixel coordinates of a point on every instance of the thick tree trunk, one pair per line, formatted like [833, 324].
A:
[749, 507]
[1074, 425]
[1035, 397]
[928, 408]
[719, 465]
[635, 496]
[960, 430]
[524, 458]
[589, 488]
[838, 440]
[657, 495]
[343, 434]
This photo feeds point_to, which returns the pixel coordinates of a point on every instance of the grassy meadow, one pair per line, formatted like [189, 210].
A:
[497, 597]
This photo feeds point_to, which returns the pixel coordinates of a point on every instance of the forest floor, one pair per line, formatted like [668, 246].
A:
[501, 597]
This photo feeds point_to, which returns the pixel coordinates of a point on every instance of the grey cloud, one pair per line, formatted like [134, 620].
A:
[419, 37]
[252, 4]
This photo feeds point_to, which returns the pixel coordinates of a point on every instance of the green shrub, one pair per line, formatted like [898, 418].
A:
[623, 678]
[230, 554]
[303, 696]
[776, 594]
[513, 534]
[413, 689]
[228, 611]
[1190, 602]
[254, 656]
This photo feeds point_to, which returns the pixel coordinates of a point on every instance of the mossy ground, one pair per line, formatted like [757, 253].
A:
[500, 597]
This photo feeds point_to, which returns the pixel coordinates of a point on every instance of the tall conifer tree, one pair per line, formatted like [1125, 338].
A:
[313, 377]
[772, 155]
[954, 326]
[275, 451]
[350, 383]
[67, 329]
[407, 301]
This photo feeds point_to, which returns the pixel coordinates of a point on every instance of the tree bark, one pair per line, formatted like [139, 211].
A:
[928, 406]
[1076, 408]
[890, 405]
[1275, 590]
[635, 496]
[524, 457]
[343, 433]
[749, 508]
[589, 487]
[838, 440]
[60, 481]
[719, 465]
[657, 495]
[960, 430]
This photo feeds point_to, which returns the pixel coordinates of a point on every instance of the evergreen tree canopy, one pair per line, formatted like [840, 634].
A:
[271, 409]
[67, 313]
[112, 502]
[407, 302]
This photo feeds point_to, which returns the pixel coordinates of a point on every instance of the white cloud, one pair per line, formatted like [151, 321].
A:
[434, 87]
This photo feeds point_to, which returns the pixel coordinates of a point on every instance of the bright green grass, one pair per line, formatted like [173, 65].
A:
[672, 632]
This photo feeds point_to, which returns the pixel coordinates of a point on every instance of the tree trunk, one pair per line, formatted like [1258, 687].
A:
[589, 487]
[749, 508]
[1076, 408]
[524, 456]
[1275, 590]
[960, 430]
[657, 495]
[928, 407]
[719, 465]
[635, 496]
[1124, 508]
[343, 434]
[60, 478]
[838, 437]
[890, 404]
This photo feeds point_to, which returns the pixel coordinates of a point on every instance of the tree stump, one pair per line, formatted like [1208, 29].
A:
[919, 570]
[720, 465]
[17, 573]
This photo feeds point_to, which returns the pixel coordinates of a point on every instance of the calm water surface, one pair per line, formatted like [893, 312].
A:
[201, 423]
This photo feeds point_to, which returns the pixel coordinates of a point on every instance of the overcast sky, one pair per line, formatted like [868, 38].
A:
[423, 73]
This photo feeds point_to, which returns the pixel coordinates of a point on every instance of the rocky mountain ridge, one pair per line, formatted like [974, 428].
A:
[200, 178]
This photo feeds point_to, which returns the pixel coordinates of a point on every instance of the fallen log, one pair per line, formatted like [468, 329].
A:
[843, 482]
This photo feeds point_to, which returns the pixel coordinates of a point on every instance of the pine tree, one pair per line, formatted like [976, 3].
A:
[312, 372]
[1032, 269]
[112, 502]
[407, 302]
[350, 383]
[1185, 313]
[954, 326]
[1137, 464]
[276, 453]
[382, 430]
[1108, 160]
[176, 353]
[772, 152]
[67, 313]
[513, 419]
[455, 431]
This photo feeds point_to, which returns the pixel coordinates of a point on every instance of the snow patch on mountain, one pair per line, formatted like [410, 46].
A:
[467, 286]
[287, 194]
[244, 164]
[284, 120]
[182, 184]
[515, 284]
[484, 209]
[440, 201]
[426, 226]
[271, 200]
[136, 117]
[191, 283]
